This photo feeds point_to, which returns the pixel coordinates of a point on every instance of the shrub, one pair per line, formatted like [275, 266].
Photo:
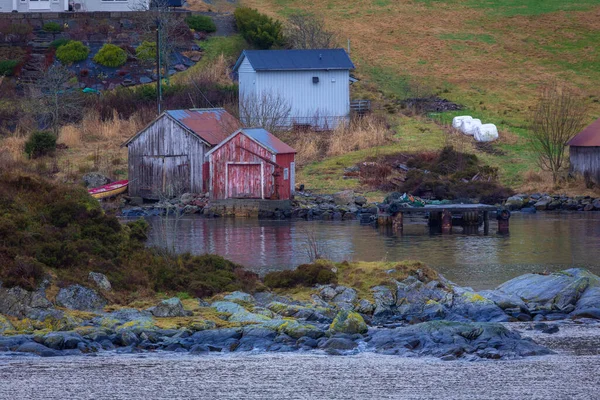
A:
[53, 27]
[258, 29]
[39, 144]
[111, 55]
[305, 275]
[72, 52]
[21, 30]
[7, 67]
[201, 23]
[25, 272]
[146, 51]
[59, 42]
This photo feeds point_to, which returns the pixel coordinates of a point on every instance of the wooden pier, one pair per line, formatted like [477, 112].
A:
[441, 217]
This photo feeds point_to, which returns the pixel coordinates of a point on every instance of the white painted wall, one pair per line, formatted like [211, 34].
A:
[322, 104]
[63, 5]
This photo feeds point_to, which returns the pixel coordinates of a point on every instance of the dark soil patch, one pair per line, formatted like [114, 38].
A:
[429, 104]
[443, 175]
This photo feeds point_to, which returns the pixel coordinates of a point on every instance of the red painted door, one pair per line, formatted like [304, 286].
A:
[244, 181]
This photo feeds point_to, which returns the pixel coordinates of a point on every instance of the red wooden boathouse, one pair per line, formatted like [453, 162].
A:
[252, 164]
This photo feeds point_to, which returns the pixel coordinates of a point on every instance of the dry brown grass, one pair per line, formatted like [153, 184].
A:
[215, 72]
[70, 135]
[308, 147]
[536, 181]
[361, 133]
[95, 145]
[13, 147]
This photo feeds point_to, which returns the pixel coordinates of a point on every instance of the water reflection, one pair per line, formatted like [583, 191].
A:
[536, 243]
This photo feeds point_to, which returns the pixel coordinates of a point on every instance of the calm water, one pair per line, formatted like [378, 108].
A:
[537, 242]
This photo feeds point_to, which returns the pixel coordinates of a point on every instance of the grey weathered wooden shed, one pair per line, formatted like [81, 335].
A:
[584, 152]
[167, 157]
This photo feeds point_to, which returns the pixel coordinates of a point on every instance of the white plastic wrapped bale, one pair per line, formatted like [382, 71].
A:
[457, 121]
[469, 126]
[486, 133]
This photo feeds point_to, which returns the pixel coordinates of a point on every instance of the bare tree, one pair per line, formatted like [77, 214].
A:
[161, 23]
[270, 111]
[314, 248]
[54, 99]
[559, 115]
[306, 31]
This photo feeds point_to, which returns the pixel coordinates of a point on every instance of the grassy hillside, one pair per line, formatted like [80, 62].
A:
[490, 56]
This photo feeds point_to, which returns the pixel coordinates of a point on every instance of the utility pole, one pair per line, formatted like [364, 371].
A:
[158, 80]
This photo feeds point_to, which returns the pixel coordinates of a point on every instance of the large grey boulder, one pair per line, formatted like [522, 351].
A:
[169, 308]
[36, 348]
[384, 300]
[344, 197]
[21, 303]
[504, 300]
[77, 297]
[345, 298]
[95, 179]
[543, 203]
[557, 291]
[451, 340]
[240, 296]
[100, 280]
[516, 202]
[238, 313]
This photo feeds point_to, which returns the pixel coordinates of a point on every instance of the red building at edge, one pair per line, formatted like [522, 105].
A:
[252, 164]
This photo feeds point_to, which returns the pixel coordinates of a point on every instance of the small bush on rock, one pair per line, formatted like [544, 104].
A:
[201, 23]
[146, 51]
[59, 42]
[305, 275]
[258, 29]
[7, 67]
[40, 144]
[53, 27]
[111, 55]
[72, 52]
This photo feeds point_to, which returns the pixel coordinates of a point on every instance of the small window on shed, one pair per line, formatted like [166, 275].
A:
[286, 174]
[315, 79]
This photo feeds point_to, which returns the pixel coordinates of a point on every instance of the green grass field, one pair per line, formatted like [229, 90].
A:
[490, 56]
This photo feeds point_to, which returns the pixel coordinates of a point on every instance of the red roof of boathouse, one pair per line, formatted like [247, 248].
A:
[589, 137]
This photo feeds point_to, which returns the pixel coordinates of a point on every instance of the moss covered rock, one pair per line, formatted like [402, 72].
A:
[296, 330]
[5, 324]
[349, 322]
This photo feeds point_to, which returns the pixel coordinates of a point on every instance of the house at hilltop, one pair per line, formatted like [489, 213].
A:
[167, 157]
[313, 84]
[72, 5]
[584, 152]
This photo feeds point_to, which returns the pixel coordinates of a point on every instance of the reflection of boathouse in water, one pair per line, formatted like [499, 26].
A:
[262, 246]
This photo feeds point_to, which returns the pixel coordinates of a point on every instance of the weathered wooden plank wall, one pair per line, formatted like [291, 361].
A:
[586, 159]
[233, 152]
[165, 158]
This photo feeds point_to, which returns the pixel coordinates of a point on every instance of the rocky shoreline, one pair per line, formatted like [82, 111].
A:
[348, 205]
[417, 316]
[545, 202]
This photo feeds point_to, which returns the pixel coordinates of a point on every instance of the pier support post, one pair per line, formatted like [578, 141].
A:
[384, 219]
[503, 216]
[446, 221]
[486, 222]
[398, 223]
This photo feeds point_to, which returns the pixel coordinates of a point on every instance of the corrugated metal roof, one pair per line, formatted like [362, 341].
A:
[268, 140]
[211, 124]
[294, 60]
[589, 137]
